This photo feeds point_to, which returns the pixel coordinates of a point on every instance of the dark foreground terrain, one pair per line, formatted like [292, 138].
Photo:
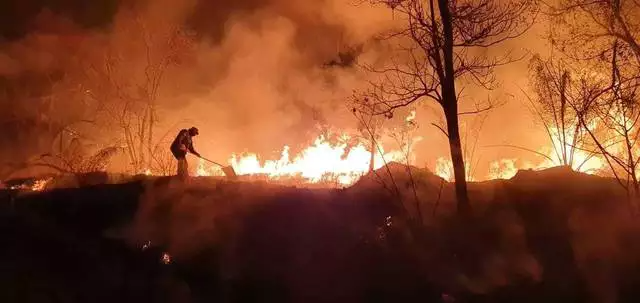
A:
[550, 236]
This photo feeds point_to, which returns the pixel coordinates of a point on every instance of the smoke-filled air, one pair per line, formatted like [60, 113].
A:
[269, 84]
[320, 150]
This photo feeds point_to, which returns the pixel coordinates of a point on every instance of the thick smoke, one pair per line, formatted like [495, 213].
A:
[255, 78]
[259, 74]
[264, 81]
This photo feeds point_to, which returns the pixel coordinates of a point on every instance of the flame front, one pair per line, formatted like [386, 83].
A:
[320, 162]
[340, 164]
[560, 152]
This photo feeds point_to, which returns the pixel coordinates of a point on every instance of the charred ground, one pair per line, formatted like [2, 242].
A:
[549, 236]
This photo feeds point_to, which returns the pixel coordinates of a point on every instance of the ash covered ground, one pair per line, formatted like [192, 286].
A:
[546, 236]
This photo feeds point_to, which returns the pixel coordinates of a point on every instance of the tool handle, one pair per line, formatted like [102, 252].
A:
[216, 163]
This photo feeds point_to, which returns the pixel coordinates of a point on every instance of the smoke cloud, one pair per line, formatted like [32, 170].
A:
[255, 77]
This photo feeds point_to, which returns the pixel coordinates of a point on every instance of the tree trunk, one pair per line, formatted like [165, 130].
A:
[457, 160]
[142, 132]
[450, 106]
[150, 150]
[373, 154]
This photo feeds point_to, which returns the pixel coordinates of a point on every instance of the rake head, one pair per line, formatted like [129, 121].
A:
[229, 172]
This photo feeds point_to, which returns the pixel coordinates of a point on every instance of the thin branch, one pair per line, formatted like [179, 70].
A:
[521, 148]
[441, 129]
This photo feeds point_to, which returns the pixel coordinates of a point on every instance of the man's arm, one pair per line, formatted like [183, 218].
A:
[191, 149]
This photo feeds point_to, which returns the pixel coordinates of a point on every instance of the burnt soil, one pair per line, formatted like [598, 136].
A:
[550, 236]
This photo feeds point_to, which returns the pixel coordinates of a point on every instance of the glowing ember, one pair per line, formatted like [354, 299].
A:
[388, 221]
[38, 185]
[411, 117]
[146, 245]
[166, 258]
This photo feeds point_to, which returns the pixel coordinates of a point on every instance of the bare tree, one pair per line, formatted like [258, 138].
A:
[555, 91]
[610, 115]
[50, 105]
[439, 44]
[603, 115]
[470, 133]
[74, 160]
[56, 116]
[129, 83]
[370, 125]
[603, 35]
[404, 135]
[587, 29]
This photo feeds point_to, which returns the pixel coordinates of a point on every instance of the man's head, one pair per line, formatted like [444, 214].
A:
[193, 132]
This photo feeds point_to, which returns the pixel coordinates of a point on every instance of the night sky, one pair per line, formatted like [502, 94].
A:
[17, 14]
[208, 17]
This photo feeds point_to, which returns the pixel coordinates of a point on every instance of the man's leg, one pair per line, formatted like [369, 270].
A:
[183, 169]
[186, 168]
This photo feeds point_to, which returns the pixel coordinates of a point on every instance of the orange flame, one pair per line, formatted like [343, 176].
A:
[444, 169]
[503, 169]
[38, 185]
[579, 159]
[320, 162]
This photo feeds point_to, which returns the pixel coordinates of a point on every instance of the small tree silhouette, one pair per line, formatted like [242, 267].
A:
[435, 47]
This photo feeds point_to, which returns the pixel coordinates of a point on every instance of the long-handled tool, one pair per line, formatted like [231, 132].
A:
[227, 170]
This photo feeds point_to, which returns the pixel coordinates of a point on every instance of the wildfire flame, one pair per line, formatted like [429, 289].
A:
[338, 163]
[503, 169]
[343, 164]
[38, 185]
[320, 162]
[579, 159]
